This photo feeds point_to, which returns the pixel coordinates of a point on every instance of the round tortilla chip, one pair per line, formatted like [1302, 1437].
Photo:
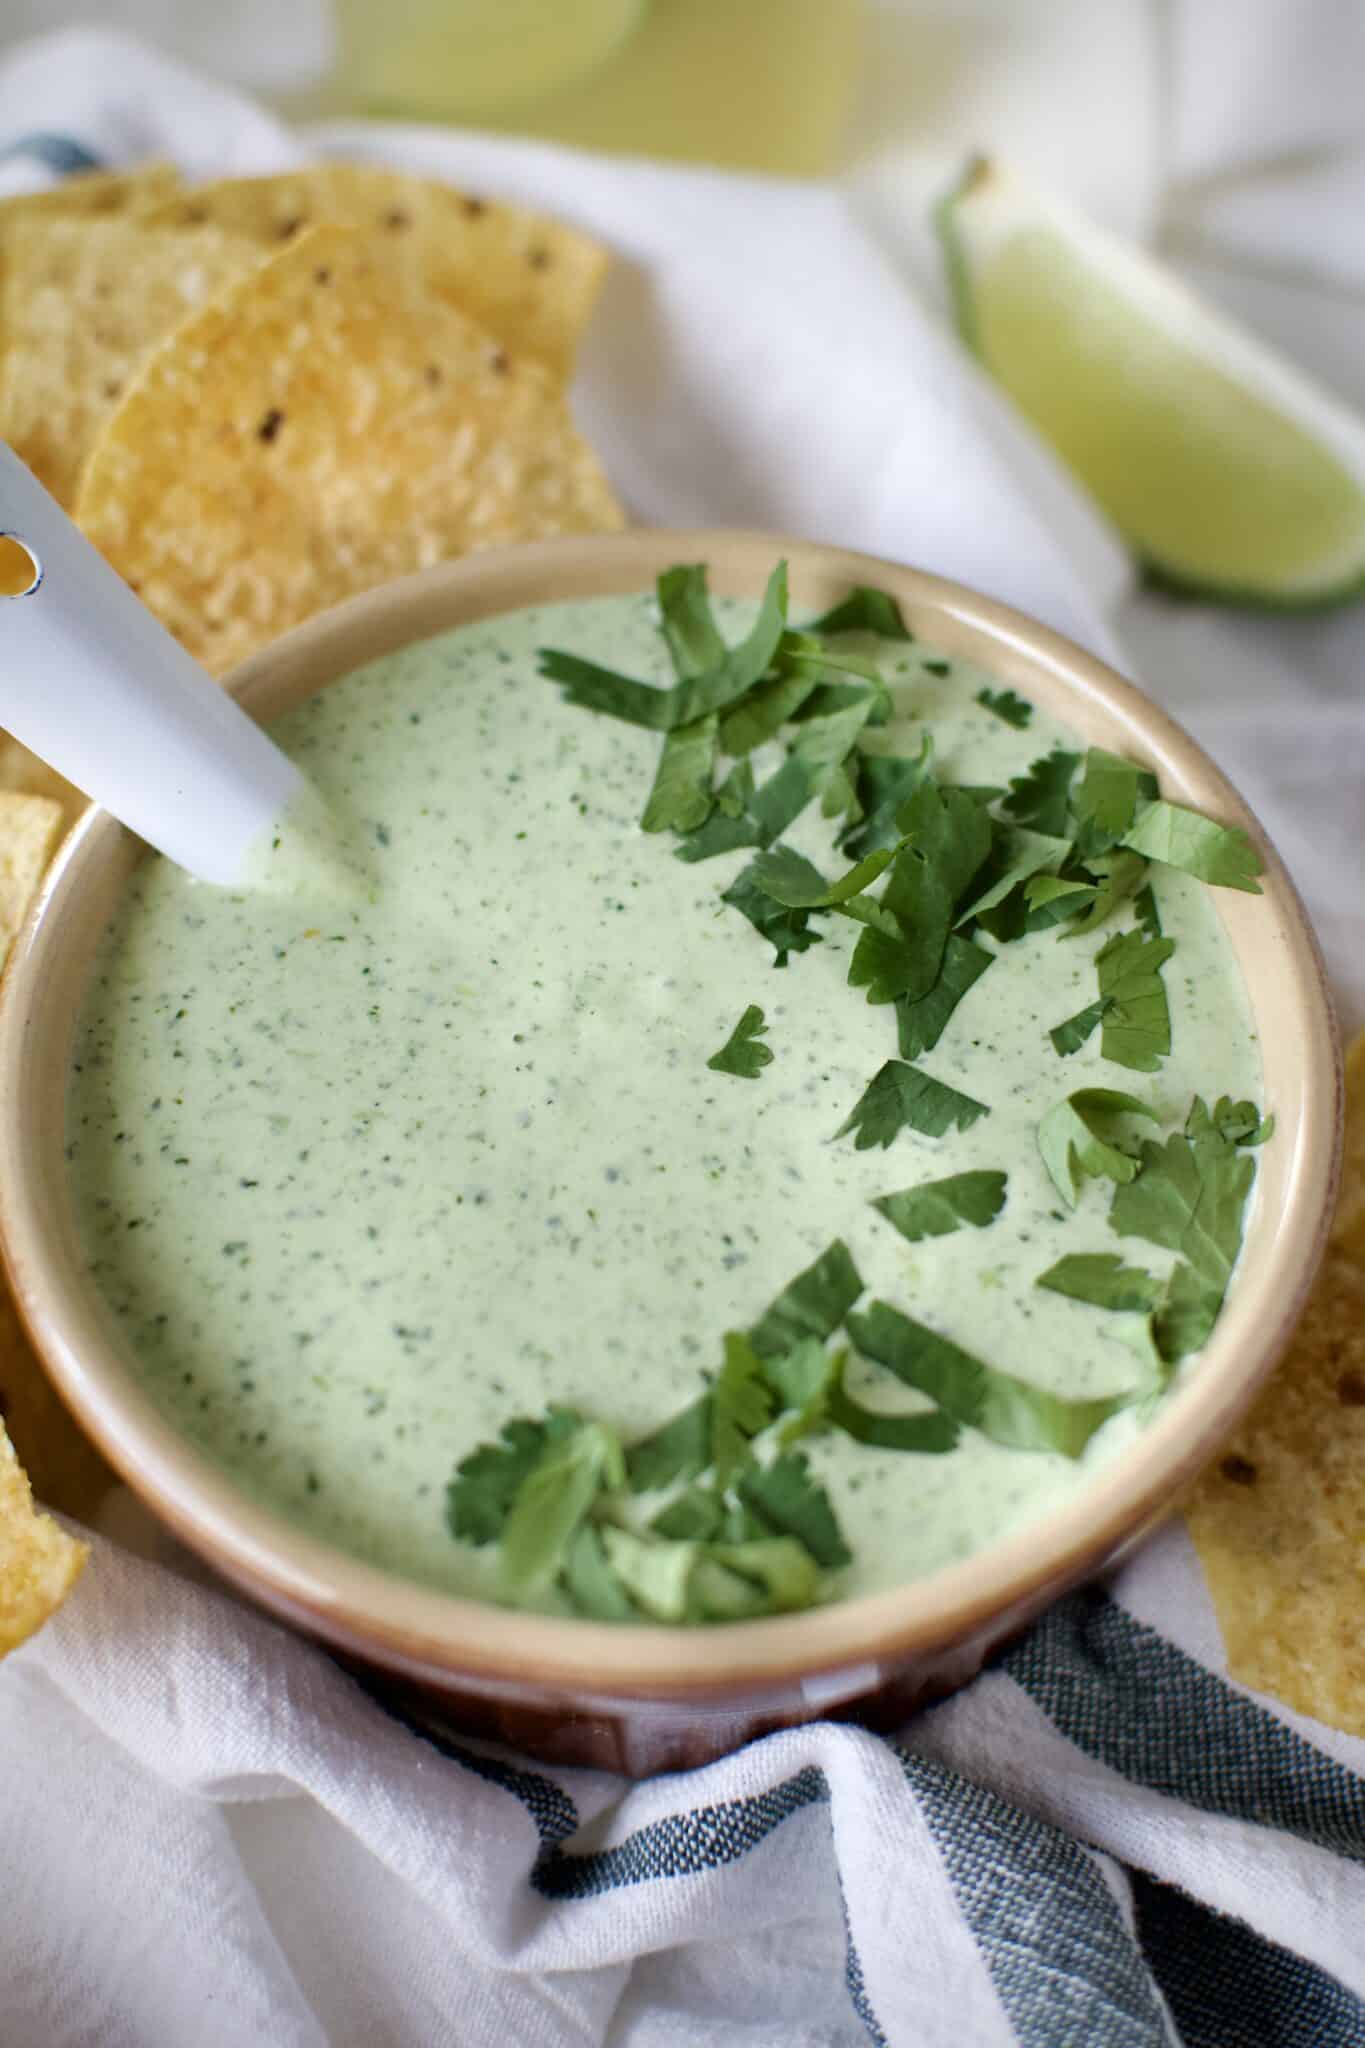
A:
[1279, 1520]
[531, 281]
[322, 427]
[84, 302]
[39, 1562]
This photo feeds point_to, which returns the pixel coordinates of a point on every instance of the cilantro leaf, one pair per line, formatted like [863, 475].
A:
[1241, 1123]
[1218, 854]
[1189, 1195]
[1016, 856]
[900, 1097]
[785, 930]
[885, 783]
[1007, 1410]
[743, 1052]
[686, 620]
[1016, 711]
[1102, 1279]
[680, 799]
[590, 1584]
[930, 1432]
[1106, 797]
[761, 715]
[920, 1020]
[1136, 1025]
[1070, 1035]
[1146, 911]
[741, 1403]
[552, 1501]
[479, 1497]
[1120, 874]
[594, 688]
[1073, 1148]
[1045, 891]
[1039, 797]
[1185, 1314]
[814, 1304]
[767, 812]
[738, 668]
[936, 1208]
[790, 1501]
[801, 1380]
[696, 1516]
[788, 877]
[864, 610]
[780, 1575]
[656, 1575]
[678, 1449]
[713, 688]
[947, 836]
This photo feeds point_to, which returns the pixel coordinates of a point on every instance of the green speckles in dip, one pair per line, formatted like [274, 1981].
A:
[364, 1173]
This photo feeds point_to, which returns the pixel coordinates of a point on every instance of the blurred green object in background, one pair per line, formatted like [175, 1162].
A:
[750, 84]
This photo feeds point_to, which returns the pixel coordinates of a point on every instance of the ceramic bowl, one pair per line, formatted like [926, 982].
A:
[647, 1698]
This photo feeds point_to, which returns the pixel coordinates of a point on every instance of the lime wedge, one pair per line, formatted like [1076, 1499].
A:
[1232, 475]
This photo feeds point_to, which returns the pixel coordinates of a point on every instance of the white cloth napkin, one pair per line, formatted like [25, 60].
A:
[213, 1836]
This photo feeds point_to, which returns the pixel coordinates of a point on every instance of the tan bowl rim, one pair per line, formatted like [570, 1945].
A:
[422, 1630]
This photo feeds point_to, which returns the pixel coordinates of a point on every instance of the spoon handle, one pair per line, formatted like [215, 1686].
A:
[97, 688]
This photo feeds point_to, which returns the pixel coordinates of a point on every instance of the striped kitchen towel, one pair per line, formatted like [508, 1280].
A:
[215, 1836]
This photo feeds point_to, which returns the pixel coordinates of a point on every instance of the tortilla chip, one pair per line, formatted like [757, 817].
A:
[1279, 1521]
[83, 304]
[531, 281]
[39, 1562]
[94, 192]
[30, 827]
[321, 428]
[65, 1469]
[24, 772]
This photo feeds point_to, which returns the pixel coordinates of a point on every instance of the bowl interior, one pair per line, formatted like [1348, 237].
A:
[419, 1630]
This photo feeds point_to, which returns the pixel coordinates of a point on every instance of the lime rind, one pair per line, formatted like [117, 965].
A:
[989, 220]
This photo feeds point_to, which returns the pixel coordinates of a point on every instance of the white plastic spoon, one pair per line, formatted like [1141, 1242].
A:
[97, 688]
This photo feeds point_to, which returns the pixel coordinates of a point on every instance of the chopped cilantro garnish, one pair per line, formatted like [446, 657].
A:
[1221, 855]
[1010, 1411]
[681, 798]
[679, 1449]
[1070, 1035]
[1146, 911]
[686, 619]
[1189, 1196]
[1073, 1147]
[767, 812]
[1016, 856]
[761, 715]
[920, 1020]
[1102, 1279]
[1016, 711]
[744, 1053]
[901, 1097]
[1120, 874]
[592, 1586]
[814, 1304]
[947, 836]
[551, 1503]
[937, 1207]
[1038, 798]
[885, 783]
[788, 877]
[479, 1498]
[790, 1501]
[1135, 1028]
[930, 1432]
[726, 680]
[1106, 797]
[741, 1403]
[864, 611]
[786, 930]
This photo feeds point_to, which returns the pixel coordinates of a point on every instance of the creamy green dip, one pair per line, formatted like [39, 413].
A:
[365, 1171]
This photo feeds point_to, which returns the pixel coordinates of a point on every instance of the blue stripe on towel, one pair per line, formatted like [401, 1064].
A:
[1228, 1987]
[59, 154]
[1063, 1963]
[1126, 1696]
